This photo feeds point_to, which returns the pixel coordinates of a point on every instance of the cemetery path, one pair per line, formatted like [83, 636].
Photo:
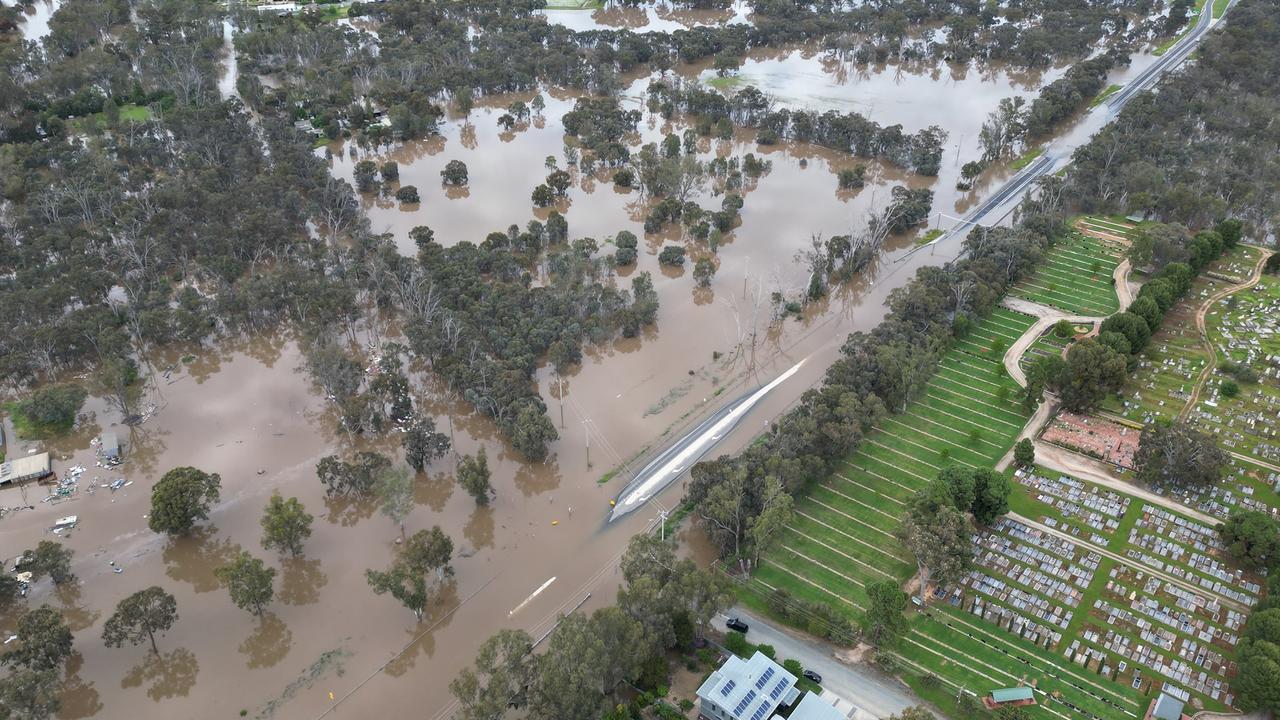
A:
[1172, 580]
[1045, 319]
[1203, 311]
[1255, 461]
[1097, 472]
[1120, 278]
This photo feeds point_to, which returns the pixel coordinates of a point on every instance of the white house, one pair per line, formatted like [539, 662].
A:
[746, 690]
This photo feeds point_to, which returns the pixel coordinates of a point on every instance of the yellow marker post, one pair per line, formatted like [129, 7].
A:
[555, 522]
[331, 695]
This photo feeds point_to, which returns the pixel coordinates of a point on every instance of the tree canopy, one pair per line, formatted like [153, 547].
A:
[180, 498]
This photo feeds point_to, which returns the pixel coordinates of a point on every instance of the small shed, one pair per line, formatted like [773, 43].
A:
[1016, 696]
[110, 446]
[29, 467]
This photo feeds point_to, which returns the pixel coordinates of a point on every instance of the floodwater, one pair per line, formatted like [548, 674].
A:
[246, 409]
[230, 64]
[914, 95]
[36, 25]
[658, 17]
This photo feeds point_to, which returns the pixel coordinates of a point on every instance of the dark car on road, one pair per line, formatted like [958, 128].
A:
[734, 623]
[812, 676]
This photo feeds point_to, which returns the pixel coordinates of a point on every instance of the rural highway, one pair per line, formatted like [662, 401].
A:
[874, 695]
[993, 210]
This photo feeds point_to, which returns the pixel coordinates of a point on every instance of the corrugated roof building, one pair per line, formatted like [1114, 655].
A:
[29, 467]
[746, 689]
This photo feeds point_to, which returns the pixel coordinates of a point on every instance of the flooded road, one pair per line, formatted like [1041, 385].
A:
[247, 410]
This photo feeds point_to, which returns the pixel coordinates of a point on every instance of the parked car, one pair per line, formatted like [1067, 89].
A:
[812, 676]
[734, 623]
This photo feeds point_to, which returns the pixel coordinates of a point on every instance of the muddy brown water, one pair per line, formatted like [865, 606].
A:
[658, 17]
[247, 410]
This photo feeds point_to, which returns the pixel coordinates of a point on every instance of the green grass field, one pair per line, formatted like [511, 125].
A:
[1075, 277]
[843, 538]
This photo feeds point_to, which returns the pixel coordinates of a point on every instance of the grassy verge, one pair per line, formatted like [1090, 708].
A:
[1192, 18]
[1026, 158]
[1112, 89]
[929, 237]
[726, 82]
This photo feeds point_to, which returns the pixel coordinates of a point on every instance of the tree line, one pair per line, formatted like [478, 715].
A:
[1203, 145]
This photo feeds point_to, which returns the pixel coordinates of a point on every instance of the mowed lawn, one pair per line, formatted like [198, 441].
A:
[843, 536]
[1075, 277]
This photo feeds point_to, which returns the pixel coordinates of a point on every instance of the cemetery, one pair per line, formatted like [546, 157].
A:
[1241, 408]
[1076, 277]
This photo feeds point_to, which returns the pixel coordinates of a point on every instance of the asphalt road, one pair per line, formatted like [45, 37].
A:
[994, 209]
[875, 695]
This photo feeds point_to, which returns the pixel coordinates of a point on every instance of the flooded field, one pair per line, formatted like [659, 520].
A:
[247, 410]
[659, 17]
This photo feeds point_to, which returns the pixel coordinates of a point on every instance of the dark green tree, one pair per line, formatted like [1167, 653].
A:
[884, 623]
[180, 498]
[139, 617]
[1024, 453]
[286, 525]
[1178, 456]
[1252, 539]
[504, 667]
[44, 641]
[473, 476]
[52, 559]
[454, 173]
[249, 582]
[426, 552]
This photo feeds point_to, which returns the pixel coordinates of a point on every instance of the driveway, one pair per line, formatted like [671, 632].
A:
[875, 695]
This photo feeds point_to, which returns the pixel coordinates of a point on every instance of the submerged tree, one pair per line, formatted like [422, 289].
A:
[408, 580]
[473, 476]
[286, 525]
[44, 641]
[249, 582]
[395, 495]
[182, 497]
[52, 559]
[504, 667]
[139, 617]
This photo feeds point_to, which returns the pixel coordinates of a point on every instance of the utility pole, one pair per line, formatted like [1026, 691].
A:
[560, 382]
[662, 533]
[745, 272]
[587, 437]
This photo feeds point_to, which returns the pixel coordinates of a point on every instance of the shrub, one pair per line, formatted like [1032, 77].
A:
[671, 255]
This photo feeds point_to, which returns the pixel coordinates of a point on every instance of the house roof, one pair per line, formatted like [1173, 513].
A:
[749, 689]
[1167, 708]
[812, 707]
[25, 467]
[1005, 695]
